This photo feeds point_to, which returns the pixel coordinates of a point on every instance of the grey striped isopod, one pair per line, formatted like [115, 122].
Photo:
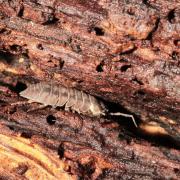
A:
[71, 98]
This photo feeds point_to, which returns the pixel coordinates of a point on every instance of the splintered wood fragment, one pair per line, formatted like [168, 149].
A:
[23, 158]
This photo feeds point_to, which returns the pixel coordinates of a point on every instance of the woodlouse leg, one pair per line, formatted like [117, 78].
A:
[21, 103]
[28, 102]
[37, 108]
[125, 115]
[17, 104]
[66, 108]
[81, 125]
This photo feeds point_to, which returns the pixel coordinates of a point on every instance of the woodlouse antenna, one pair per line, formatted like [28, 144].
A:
[125, 115]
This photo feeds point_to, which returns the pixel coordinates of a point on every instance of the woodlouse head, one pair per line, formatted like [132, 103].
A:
[98, 109]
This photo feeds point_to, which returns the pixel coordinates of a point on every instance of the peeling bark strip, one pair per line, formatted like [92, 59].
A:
[121, 51]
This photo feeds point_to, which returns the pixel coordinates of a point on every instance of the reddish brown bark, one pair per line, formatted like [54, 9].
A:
[124, 52]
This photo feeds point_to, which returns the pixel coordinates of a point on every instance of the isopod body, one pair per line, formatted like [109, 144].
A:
[70, 98]
[58, 96]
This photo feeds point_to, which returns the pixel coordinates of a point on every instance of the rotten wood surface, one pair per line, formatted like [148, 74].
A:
[89, 148]
[124, 52]
[22, 158]
[121, 51]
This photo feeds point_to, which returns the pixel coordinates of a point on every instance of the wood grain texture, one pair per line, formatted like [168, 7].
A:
[21, 158]
[93, 148]
[124, 52]
[107, 49]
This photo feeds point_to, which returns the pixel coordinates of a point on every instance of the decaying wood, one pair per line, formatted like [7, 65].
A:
[93, 148]
[21, 158]
[123, 52]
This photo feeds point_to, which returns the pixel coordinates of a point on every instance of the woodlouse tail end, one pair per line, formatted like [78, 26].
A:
[24, 93]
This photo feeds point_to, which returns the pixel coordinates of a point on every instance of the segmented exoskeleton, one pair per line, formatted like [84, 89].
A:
[72, 99]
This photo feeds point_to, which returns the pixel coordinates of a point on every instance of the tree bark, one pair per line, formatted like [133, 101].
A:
[87, 148]
[124, 52]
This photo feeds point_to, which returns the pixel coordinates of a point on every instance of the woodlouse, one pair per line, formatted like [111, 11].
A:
[71, 98]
